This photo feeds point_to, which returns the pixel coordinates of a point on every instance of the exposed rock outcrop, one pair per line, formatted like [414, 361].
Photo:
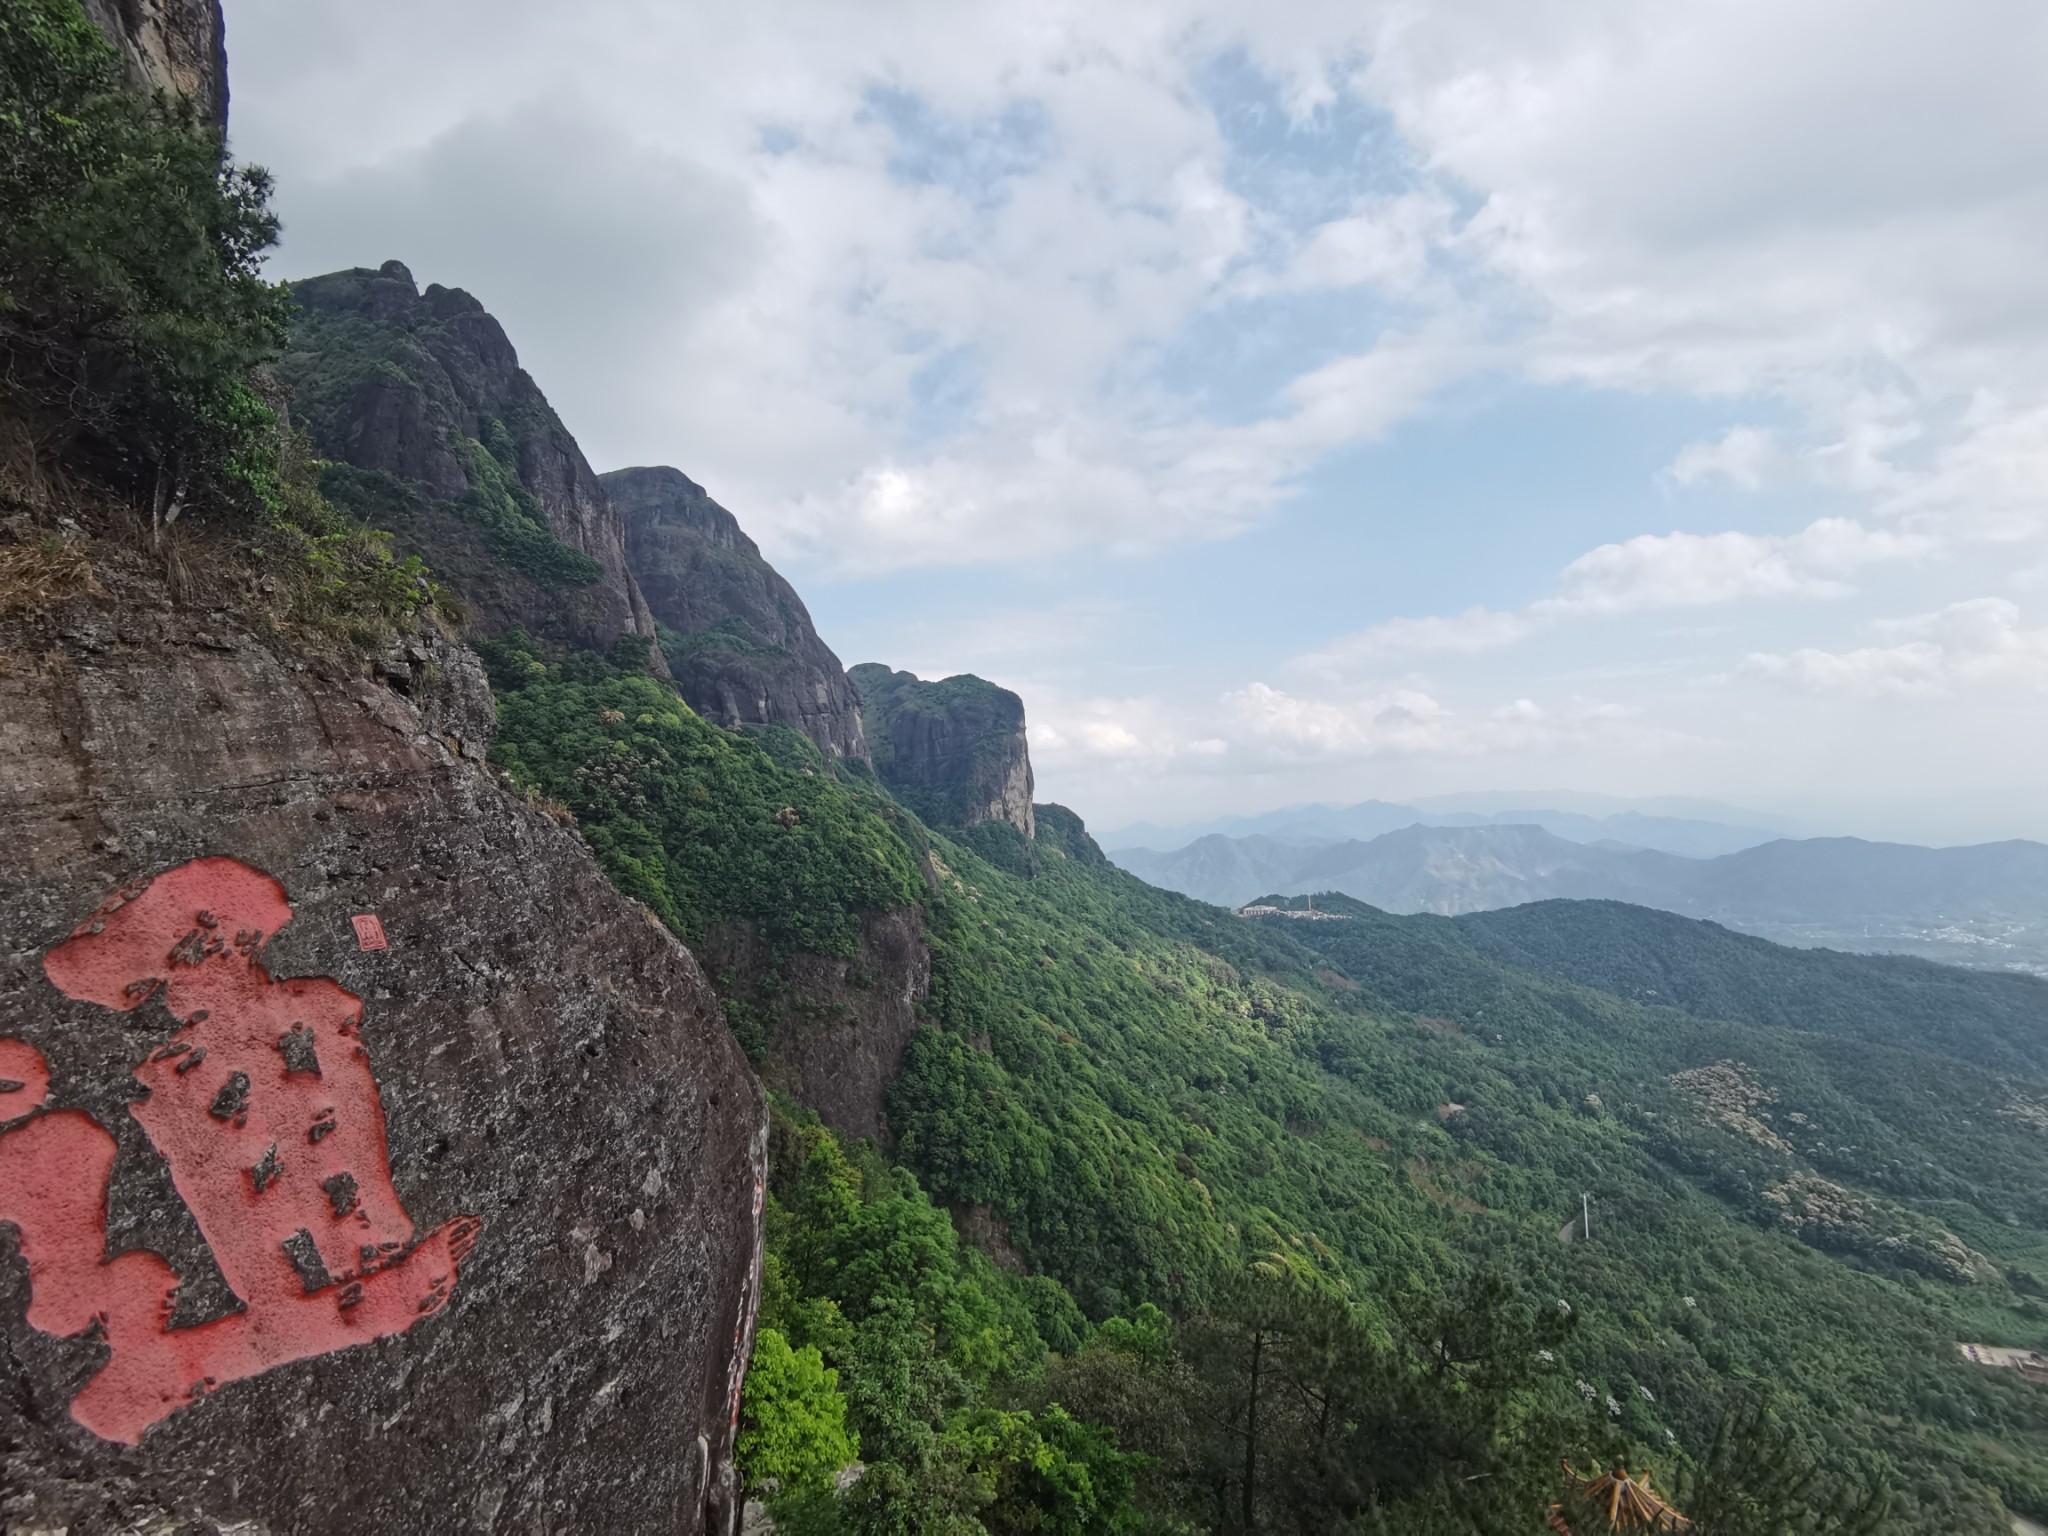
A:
[453, 447]
[832, 1032]
[954, 751]
[543, 1225]
[1059, 830]
[740, 644]
[175, 46]
[1830, 1217]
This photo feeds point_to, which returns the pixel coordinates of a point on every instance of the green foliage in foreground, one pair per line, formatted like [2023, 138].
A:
[793, 1431]
[512, 516]
[131, 301]
[926, 1337]
[1278, 1407]
[341, 577]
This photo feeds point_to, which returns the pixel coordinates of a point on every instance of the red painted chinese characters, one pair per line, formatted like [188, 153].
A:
[264, 1108]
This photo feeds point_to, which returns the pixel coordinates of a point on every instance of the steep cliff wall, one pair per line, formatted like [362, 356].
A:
[449, 442]
[831, 1032]
[741, 647]
[954, 751]
[176, 46]
[281, 956]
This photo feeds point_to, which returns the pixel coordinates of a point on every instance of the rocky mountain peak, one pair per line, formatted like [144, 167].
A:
[738, 639]
[659, 493]
[443, 438]
[954, 751]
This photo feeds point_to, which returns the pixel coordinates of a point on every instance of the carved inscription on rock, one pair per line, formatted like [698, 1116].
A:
[263, 1105]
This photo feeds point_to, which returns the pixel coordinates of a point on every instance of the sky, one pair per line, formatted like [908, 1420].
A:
[1291, 401]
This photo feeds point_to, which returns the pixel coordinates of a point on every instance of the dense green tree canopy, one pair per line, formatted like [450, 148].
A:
[1156, 1103]
[131, 300]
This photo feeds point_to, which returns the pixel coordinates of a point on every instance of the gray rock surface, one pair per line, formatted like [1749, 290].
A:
[176, 46]
[550, 1062]
[954, 751]
[742, 649]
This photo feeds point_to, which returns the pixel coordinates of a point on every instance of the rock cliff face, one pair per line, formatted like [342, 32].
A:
[450, 443]
[279, 955]
[833, 1032]
[741, 644]
[953, 751]
[177, 46]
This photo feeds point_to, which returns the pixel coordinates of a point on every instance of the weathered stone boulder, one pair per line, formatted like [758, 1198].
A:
[954, 751]
[280, 955]
[455, 449]
[742, 646]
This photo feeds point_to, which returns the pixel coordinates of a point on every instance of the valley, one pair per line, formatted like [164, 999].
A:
[831, 1136]
[1091, 1102]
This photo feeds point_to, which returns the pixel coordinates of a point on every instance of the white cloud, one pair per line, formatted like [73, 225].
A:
[1650, 571]
[738, 247]
[1459, 634]
[1402, 720]
[1989, 484]
[1387, 242]
[1744, 456]
[1690, 570]
[1271, 724]
[1967, 644]
[1132, 736]
[1258, 730]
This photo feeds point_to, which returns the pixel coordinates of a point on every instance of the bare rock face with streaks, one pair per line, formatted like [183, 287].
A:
[366, 1161]
[175, 46]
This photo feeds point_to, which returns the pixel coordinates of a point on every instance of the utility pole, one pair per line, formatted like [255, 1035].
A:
[1585, 1218]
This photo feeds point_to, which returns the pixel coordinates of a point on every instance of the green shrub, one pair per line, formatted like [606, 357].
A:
[132, 305]
[793, 1419]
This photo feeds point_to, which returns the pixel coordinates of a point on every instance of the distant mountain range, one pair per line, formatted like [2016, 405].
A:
[1985, 905]
[1696, 828]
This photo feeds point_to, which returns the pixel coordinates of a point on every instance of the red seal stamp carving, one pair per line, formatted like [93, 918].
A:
[264, 1107]
[369, 931]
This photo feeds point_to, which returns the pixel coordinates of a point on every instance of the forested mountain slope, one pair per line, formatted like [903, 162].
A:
[1128, 1099]
[1994, 1020]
